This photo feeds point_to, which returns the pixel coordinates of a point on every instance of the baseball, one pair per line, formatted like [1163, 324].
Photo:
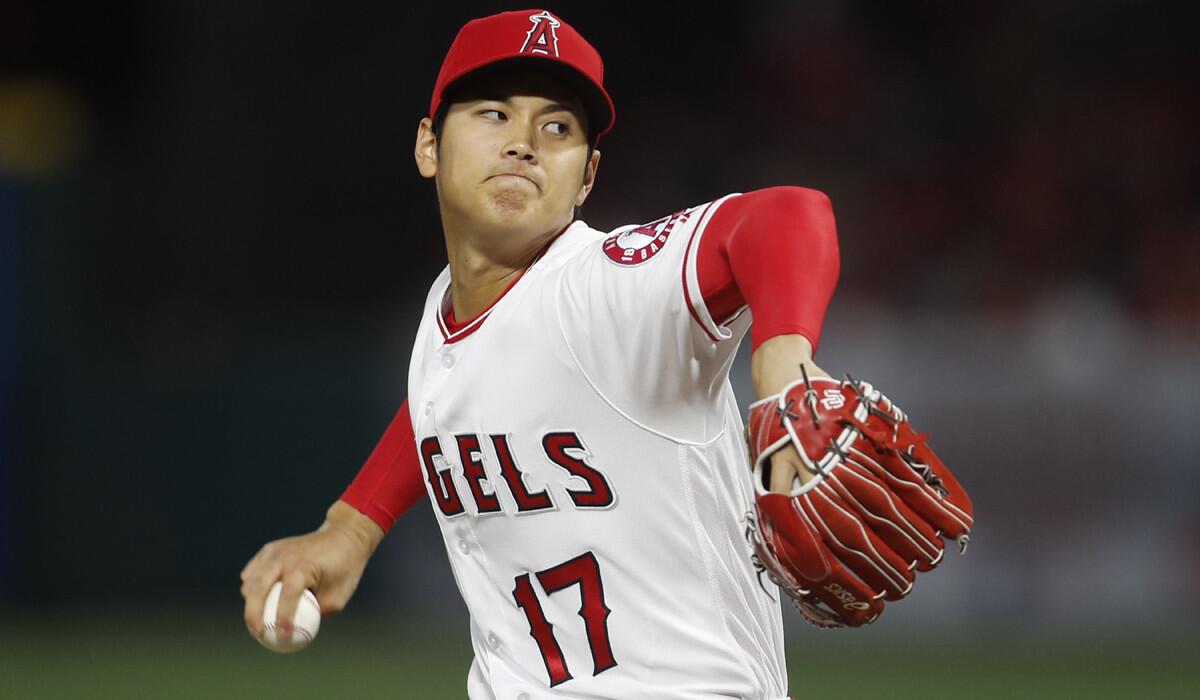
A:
[305, 623]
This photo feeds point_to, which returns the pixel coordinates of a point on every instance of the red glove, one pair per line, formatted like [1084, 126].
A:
[875, 514]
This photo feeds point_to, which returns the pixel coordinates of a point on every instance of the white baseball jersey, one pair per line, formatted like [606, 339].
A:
[583, 450]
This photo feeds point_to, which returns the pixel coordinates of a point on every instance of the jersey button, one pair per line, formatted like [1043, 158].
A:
[493, 641]
[464, 547]
[447, 360]
[428, 407]
[523, 696]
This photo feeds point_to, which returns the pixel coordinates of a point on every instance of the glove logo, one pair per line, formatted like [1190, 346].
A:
[634, 246]
[848, 600]
[833, 399]
[542, 37]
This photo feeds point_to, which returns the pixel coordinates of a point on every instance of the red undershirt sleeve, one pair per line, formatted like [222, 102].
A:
[774, 250]
[390, 481]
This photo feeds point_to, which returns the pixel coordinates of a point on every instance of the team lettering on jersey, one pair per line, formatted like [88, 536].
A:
[564, 449]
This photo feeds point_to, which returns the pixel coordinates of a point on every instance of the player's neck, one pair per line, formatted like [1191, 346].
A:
[479, 275]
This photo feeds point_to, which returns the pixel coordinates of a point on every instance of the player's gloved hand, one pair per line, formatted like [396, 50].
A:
[854, 535]
[329, 561]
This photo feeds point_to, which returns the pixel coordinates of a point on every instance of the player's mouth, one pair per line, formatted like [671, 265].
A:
[518, 176]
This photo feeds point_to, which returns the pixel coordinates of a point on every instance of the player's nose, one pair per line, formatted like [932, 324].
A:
[521, 142]
[521, 149]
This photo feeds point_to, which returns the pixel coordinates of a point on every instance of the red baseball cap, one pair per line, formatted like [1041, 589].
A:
[533, 36]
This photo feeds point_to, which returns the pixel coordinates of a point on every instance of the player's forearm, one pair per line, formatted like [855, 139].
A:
[390, 481]
[778, 361]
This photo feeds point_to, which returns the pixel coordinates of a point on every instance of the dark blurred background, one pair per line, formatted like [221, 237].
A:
[214, 246]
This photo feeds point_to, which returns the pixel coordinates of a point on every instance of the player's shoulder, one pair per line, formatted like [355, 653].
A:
[786, 197]
[635, 244]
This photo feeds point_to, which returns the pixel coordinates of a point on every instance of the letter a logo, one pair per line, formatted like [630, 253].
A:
[542, 37]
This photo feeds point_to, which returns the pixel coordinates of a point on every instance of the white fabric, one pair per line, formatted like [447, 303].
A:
[611, 353]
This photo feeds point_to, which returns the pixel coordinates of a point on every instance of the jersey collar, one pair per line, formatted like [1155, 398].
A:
[453, 330]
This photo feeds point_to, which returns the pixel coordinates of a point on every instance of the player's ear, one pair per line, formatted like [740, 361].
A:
[589, 178]
[426, 151]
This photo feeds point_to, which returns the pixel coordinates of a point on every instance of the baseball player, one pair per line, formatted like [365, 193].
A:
[570, 416]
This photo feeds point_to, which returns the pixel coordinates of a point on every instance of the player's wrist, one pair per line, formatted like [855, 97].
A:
[360, 528]
[778, 361]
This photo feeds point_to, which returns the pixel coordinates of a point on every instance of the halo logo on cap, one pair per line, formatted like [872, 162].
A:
[542, 36]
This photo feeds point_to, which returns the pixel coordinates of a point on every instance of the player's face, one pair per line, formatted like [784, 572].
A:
[512, 157]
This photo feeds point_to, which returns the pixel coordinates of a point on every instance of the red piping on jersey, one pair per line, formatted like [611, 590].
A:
[774, 250]
[732, 317]
[453, 331]
[686, 256]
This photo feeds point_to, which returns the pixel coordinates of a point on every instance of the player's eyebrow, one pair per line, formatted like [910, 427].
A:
[555, 107]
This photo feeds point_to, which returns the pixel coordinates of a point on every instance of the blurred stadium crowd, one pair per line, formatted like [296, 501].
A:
[213, 242]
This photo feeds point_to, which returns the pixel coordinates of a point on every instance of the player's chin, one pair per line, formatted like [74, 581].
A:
[518, 210]
[511, 201]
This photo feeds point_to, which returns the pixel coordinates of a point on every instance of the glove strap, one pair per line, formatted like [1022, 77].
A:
[783, 411]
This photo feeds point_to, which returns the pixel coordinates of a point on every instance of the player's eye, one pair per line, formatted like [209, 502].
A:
[493, 114]
[558, 128]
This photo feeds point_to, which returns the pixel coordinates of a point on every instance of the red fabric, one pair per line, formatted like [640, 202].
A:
[452, 323]
[776, 251]
[390, 481]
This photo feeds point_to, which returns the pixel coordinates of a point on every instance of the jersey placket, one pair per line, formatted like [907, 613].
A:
[467, 557]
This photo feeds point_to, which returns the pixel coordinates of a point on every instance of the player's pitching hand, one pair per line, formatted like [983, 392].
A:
[329, 560]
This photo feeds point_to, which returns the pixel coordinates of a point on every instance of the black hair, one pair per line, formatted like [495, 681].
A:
[456, 93]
